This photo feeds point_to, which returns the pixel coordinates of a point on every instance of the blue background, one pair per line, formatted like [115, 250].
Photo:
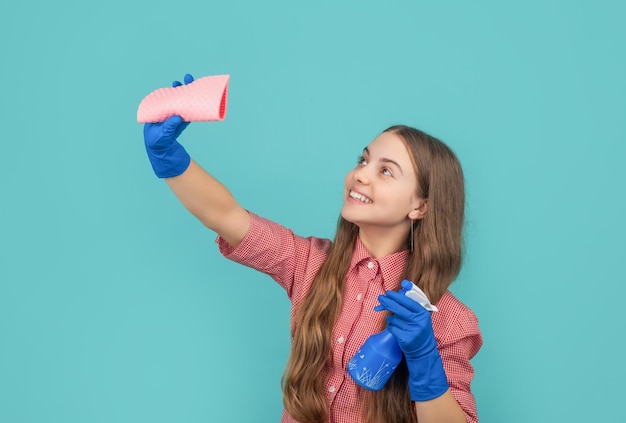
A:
[115, 305]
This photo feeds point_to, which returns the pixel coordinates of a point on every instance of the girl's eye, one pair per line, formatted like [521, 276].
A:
[385, 171]
[361, 161]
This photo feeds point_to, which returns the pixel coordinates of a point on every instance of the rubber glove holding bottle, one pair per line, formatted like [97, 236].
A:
[411, 325]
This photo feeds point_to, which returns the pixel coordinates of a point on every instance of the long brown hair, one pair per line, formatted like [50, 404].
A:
[432, 265]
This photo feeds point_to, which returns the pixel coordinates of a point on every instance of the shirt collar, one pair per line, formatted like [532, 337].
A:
[391, 266]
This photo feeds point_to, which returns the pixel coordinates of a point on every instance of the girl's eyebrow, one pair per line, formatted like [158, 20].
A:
[366, 151]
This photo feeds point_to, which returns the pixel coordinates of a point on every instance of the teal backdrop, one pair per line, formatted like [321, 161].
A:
[115, 305]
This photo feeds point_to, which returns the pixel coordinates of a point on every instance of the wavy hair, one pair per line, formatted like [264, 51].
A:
[432, 265]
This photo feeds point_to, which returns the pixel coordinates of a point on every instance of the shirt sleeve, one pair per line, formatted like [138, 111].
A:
[276, 251]
[458, 342]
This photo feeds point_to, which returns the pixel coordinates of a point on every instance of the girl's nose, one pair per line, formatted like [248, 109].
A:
[361, 176]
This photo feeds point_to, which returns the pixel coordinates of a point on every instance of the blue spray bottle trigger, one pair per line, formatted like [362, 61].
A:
[406, 286]
[374, 363]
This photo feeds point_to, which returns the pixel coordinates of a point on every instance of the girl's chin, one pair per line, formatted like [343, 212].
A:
[350, 217]
[346, 216]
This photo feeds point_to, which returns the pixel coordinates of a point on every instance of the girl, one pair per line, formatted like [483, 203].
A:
[402, 218]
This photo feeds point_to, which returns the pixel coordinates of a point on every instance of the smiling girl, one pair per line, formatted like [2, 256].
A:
[402, 218]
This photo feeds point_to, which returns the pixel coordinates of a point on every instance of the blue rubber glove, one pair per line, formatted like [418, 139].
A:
[167, 156]
[411, 325]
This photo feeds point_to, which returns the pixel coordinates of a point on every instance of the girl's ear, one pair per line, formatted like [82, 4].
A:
[419, 212]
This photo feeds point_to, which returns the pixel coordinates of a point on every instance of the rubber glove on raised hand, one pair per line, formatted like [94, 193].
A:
[167, 156]
[411, 325]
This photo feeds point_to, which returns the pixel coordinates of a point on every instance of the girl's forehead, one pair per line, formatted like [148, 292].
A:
[388, 145]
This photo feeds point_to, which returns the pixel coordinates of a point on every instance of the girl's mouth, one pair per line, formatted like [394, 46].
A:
[359, 197]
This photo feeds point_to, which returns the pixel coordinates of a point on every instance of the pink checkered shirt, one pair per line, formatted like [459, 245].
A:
[293, 262]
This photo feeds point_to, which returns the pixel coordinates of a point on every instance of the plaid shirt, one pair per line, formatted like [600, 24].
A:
[293, 261]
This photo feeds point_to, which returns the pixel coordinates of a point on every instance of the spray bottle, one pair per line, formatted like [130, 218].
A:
[374, 363]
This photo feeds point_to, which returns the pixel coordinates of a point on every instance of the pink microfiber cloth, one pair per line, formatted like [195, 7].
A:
[201, 100]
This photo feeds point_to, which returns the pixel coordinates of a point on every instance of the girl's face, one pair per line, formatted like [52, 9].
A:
[381, 190]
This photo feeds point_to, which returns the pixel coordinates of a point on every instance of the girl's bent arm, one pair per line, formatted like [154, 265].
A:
[211, 203]
[443, 409]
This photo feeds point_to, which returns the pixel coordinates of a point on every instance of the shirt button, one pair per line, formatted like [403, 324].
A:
[341, 339]
[370, 265]
[331, 389]
[359, 297]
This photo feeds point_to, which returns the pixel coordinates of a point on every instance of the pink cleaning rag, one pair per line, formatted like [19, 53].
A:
[201, 100]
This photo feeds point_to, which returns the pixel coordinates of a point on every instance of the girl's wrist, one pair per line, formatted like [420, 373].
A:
[427, 378]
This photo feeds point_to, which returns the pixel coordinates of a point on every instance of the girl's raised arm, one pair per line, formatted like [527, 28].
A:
[211, 202]
[203, 195]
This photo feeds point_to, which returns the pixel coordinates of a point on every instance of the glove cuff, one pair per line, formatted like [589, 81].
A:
[427, 378]
[169, 162]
